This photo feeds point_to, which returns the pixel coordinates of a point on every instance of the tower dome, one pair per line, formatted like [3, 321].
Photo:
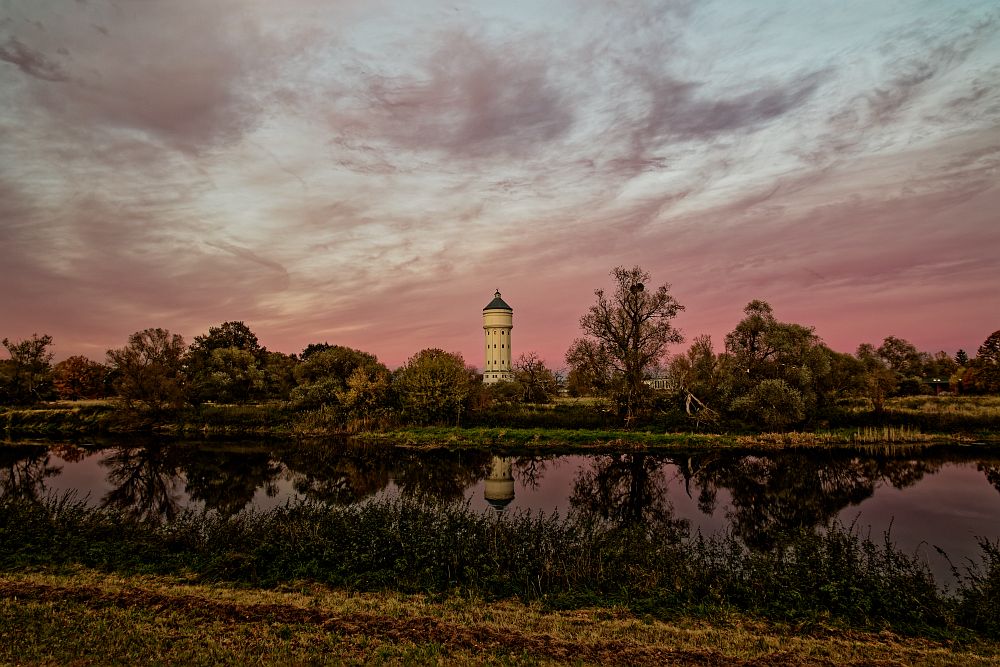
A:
[498, 320]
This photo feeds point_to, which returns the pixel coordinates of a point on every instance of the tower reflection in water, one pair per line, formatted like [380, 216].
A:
[499, 486]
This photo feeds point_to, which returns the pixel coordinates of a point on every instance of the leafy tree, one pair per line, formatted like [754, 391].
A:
[149, 370]
[987, 365]
[434, 386]
[846, 376]
[28, 373]
[879, 381]
[226, 364]
[503, 392]
[590, 369]
[313, 348]
[229, 375]
[901, 356]
[323, 376]
[789, 357]
[279, 375]
[962, 358]
[78, 378]
[536, 382]
[632, 329]
[228, 334]
[906, 361]
[753, 343]
[366, 398]
[772, 403]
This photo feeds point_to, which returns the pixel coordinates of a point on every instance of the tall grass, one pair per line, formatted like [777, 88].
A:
[871, 435]
[660, 568]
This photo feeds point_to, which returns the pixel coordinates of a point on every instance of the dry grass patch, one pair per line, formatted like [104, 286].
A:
[91, 616]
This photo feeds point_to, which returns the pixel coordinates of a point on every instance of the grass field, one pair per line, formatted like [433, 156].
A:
[86, 617]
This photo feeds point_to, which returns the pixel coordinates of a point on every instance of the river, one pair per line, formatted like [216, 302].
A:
[923, 498]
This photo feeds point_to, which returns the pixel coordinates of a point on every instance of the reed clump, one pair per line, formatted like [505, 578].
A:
[871, 435]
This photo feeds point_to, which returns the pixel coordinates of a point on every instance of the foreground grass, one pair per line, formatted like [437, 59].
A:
[82, 616]
[655, 566]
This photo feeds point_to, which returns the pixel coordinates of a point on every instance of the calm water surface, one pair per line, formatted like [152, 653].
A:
[943, 497]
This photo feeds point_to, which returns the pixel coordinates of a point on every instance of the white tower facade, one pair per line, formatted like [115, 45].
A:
[498, 320]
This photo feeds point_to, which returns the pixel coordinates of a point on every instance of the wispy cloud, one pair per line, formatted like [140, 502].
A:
[368, 172]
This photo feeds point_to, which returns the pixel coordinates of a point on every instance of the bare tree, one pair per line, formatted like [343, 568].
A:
[632, 327]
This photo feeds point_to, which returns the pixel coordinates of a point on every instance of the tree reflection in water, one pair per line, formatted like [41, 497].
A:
[530, 470]
[327, 475]
[444, 476]
[226, 481]
[626, 489]
[146, 481]
[773, 494]
[767, 494]
[347, 475]
[23, 471]
[992, 471]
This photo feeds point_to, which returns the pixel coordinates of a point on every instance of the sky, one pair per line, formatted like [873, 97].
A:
[367, 173]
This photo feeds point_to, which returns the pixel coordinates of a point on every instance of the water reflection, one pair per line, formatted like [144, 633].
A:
[322, 474]
[498, 490]
[623, 488]
[23, 471]
[992, 472]
[146, 480]
[760, 497]
[228, 481]
[773, 494]
[444, 476]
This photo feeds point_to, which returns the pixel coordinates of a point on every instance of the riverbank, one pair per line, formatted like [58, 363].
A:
[950, 419]
[431, 438]
[83, 615]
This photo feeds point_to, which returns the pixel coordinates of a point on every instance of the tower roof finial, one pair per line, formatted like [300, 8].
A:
[497, 303]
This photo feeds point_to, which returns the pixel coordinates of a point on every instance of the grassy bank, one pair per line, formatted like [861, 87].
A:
[656, 567]
[82, 616]
[576, 425]
[639, 440]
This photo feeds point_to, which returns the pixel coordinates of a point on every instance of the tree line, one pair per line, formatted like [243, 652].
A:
[770, 374]
[157, 372]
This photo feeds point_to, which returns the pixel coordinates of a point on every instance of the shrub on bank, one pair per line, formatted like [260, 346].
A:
[834, 576]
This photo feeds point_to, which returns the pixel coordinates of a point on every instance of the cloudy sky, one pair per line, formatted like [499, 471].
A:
[367, 173]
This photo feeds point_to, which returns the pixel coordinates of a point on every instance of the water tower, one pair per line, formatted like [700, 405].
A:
[498, 320]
